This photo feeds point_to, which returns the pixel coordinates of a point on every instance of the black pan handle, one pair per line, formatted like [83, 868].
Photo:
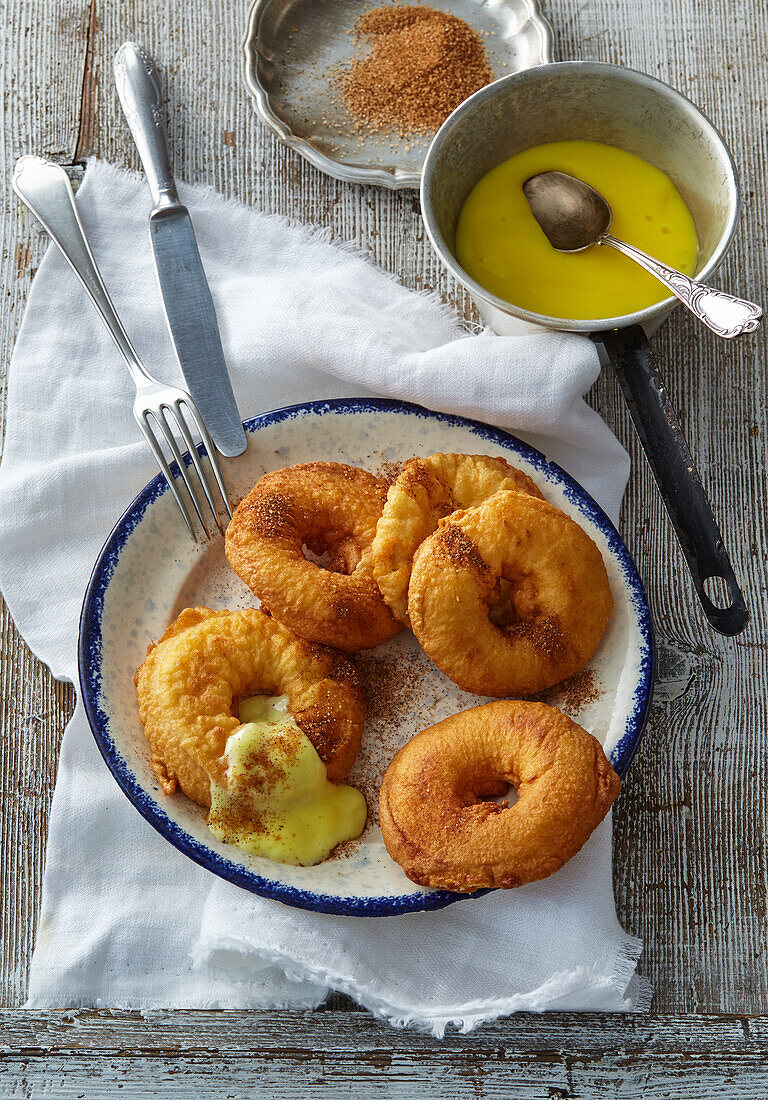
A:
[676, 475]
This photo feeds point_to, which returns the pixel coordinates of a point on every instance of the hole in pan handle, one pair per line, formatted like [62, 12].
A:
[675, 472]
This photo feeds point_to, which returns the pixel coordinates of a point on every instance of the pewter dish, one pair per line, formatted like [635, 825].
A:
[290, 46]
[149, 570]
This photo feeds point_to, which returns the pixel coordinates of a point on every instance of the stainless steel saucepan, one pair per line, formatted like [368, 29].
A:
[597, 102]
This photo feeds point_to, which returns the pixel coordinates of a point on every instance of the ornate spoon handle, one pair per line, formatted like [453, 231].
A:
[725, 315]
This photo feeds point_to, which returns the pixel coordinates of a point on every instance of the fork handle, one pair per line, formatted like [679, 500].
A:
[45, 188]
[141, 96]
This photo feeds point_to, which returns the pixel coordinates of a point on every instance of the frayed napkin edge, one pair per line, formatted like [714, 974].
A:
[313, 234]
[632, 992]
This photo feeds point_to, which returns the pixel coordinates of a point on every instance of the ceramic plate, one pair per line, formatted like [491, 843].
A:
[149, 570]
[290, 47]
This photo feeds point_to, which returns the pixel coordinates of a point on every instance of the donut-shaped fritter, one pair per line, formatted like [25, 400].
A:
[207, 662]
[441, 832]
[510, 597]
[427, 490]
[332, 509]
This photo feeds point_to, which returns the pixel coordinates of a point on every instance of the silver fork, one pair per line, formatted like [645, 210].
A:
[45, 188]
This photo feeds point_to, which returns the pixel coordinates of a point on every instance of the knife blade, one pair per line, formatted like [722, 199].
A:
[187, 300]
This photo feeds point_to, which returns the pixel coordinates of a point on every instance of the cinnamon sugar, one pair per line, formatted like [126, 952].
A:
[389, 471]
[460, 550]
[260, 773]
[269, 514]
[399, 704]
[575, 693]
[421, 65]
[544, 634]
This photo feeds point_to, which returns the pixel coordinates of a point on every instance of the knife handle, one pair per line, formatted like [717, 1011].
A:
[141, 97]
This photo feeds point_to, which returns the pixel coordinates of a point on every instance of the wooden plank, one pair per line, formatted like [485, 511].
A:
[42, 58]
[320, 1074]
[276, 1054]
[38, 1033]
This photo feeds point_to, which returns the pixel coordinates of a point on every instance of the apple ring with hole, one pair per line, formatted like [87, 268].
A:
[332, 509]
[427, 490]
[436, 815]
[509, 598]
[207, 662]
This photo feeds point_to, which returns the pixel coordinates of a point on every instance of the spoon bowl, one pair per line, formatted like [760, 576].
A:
[572, 215]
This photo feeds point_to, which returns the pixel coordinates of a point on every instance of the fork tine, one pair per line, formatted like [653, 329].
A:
[149, 435]
[192, 409]
[167, 430]
[190, 444]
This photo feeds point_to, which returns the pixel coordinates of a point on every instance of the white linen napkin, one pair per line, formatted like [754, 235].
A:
[127, 921]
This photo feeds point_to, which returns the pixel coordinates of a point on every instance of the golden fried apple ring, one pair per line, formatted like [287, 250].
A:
[510, 597]
[427, 490]
[441, 832]
[192, 681]
[332, 509]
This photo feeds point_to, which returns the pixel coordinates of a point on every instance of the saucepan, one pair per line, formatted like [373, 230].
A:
[607, 103]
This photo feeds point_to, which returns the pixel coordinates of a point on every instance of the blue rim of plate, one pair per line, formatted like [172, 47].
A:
[90, 651]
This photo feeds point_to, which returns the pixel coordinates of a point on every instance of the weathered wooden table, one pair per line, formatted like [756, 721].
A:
[690, 863]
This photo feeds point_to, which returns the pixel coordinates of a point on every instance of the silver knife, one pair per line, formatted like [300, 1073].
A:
[187, 299]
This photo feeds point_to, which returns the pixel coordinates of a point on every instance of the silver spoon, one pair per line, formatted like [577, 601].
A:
[574, 216]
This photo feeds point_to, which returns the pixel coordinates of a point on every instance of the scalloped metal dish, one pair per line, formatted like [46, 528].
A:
[290, 46]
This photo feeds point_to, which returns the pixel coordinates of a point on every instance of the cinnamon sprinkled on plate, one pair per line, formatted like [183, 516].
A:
[575, 693]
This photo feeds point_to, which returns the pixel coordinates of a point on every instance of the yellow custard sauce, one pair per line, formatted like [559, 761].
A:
[278, 801]
[501, 246]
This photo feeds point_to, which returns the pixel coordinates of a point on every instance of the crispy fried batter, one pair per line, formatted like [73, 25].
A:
[332, 509]
[427, 490]
[207, 661]
[438, 828]
[524, 553]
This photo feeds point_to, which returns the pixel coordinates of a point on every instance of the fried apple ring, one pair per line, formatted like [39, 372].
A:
[207, 661]
[510, 597]
[441, 832]
[427, 490]
[333, 510]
